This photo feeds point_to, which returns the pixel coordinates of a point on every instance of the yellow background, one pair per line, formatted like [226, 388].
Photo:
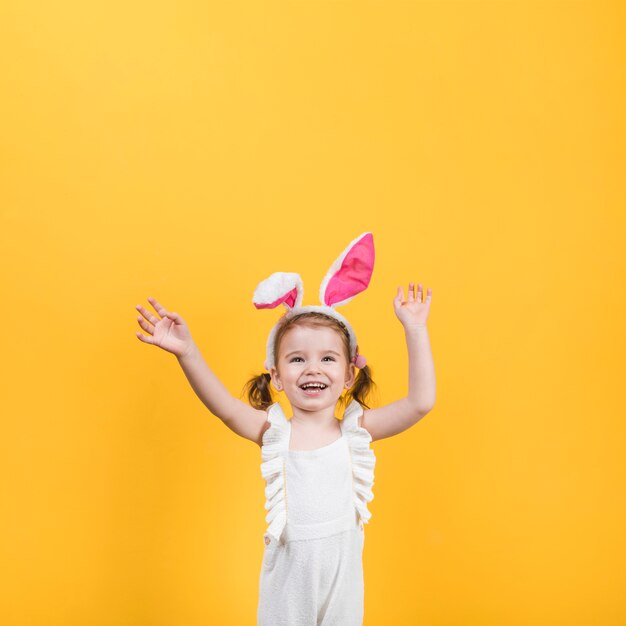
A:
[186, 150]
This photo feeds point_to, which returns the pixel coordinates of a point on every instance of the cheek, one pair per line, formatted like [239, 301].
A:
[292, 370]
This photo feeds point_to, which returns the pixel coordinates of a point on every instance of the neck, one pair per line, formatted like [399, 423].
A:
[320, 419]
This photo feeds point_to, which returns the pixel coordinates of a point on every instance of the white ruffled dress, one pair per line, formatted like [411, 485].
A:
[312, 571]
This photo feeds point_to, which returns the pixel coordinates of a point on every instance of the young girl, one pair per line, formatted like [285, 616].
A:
[319, 470]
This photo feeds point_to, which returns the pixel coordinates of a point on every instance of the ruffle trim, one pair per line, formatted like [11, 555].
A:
[275, 442]
[362, 457]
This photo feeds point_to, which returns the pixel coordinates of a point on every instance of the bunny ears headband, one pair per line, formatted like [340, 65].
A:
[348, 275]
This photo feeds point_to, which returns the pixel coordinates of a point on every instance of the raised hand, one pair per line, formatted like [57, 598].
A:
[413, 312]
[169, 332]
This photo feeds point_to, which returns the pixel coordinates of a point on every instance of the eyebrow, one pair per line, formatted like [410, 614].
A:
[300, 351]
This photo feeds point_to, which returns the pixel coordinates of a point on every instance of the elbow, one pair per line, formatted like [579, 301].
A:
[416, 408]
[422, 410]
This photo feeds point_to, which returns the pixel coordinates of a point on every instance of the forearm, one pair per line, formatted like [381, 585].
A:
[206, 384]
[421, 369]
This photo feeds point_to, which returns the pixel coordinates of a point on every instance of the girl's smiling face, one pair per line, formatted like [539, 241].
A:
[312, 367]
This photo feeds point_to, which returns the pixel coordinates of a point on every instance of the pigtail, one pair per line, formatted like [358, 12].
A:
[259, 392]
[363, 386]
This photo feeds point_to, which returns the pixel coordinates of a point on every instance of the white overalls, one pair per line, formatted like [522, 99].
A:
[312, 572]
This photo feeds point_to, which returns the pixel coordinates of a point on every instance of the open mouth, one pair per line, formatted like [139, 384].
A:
[313, 389]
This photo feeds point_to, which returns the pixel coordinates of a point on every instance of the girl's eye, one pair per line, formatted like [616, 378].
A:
[295, 358]
[330, 357]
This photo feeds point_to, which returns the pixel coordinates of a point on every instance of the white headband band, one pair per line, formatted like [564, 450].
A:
[348, 275]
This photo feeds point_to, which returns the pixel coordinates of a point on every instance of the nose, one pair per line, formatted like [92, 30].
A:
[313, 366]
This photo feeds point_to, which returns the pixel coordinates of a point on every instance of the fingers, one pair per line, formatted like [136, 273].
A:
[163, 312]
[412, 296]
[153, 320]
[143, 337]
[158, 307]
[145, 326]
[149, 316]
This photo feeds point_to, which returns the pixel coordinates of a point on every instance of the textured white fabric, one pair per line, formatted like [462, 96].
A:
[313, 582]
[316, 500]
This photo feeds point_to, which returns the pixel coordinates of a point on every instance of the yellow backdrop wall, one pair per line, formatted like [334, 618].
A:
[187, 150]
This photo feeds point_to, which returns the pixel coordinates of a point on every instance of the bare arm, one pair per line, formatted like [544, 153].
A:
[206, 384]
[421, 369]
[237, 415]
[400, 415]
[171, 333]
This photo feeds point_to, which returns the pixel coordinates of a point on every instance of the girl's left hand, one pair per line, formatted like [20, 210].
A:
[413, 312]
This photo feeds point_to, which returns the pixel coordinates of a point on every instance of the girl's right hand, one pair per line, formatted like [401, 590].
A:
[170, 332]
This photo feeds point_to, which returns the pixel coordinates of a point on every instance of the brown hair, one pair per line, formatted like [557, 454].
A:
[258, 387]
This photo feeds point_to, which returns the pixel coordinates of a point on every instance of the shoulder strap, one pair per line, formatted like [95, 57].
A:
[275, 441]
[350, 421]
[363, 459]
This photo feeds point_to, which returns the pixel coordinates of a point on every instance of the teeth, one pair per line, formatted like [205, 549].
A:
[313, 386]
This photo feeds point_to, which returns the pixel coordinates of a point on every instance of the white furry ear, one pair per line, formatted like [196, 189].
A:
[280, 288]
[350, 273]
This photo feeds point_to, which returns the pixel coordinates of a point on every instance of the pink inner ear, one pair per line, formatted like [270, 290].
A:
[289, 299]
[354, 274]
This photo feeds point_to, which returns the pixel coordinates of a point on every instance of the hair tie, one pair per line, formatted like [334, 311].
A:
[359, 360]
